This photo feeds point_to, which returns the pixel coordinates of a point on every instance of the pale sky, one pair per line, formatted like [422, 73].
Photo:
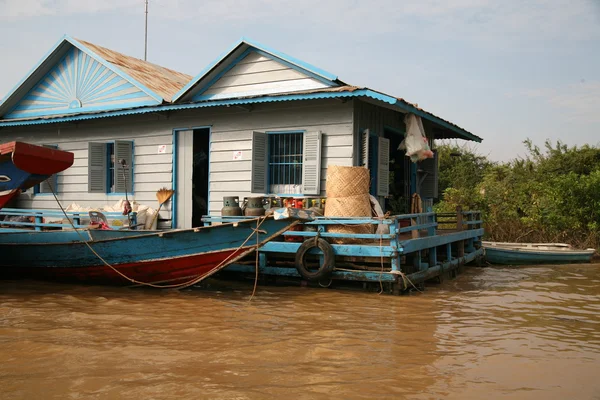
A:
[504, 70]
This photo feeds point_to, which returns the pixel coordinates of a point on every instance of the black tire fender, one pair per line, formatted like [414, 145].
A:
[325, 269]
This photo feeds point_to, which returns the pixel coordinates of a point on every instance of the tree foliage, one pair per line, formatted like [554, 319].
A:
[553, 194]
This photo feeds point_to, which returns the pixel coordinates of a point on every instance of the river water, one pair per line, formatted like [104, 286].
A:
[525, 333]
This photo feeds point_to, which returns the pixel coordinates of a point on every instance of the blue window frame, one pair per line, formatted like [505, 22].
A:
[285, 155]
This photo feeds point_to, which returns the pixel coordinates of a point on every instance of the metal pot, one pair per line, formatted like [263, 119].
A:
[254, 206]
[231, 206]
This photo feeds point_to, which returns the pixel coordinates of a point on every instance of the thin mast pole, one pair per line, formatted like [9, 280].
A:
[146, 34]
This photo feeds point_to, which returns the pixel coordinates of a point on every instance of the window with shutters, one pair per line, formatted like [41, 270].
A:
[49, 184]
[284, 170]
[106, 172]
[286, 162]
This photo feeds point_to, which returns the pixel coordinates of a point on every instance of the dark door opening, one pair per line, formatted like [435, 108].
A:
[200, 151]
[398, 202]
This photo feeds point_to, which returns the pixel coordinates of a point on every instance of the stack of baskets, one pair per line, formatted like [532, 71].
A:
[348, 196]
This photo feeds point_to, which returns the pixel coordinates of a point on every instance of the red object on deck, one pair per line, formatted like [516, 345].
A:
[294, 203]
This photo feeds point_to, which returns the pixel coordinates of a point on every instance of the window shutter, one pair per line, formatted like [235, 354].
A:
[311, 165]
[364, 148]
[123, 151]
[429, 185]
[96, 167]
[259, 162]
[44, 186]
[383, 167]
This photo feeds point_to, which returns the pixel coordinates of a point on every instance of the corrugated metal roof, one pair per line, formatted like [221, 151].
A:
[326, 93]
[163, 81]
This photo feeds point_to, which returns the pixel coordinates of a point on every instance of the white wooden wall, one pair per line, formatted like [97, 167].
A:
[151, 170]
[256, 74]
[231, 130]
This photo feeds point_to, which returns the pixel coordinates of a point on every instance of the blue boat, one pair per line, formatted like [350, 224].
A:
[174, 258]
[504, 253]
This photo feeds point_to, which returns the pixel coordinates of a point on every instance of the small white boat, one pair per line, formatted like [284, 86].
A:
[535, 253]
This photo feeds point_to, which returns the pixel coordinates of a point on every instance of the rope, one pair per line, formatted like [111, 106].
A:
[255, 265]
[173, 286]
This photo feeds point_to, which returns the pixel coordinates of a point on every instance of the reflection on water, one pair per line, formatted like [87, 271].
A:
[527, 333]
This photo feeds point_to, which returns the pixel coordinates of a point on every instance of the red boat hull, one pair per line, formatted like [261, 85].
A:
[157, 272]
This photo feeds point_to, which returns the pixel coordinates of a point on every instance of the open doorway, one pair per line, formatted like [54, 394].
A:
[398, 201]
[200, 151]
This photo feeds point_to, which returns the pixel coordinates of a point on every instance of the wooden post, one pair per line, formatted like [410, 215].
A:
[459, 218]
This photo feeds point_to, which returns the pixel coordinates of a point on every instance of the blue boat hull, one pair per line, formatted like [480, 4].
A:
[502, 256]
[149, 257]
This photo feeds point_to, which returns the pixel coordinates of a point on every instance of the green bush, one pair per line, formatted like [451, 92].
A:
[550, 195]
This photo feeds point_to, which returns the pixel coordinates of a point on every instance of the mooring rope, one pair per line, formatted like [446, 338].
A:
[173, 286]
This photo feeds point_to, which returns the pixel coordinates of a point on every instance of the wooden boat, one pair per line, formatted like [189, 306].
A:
[159, 258]
[535, 253]
[24, 165]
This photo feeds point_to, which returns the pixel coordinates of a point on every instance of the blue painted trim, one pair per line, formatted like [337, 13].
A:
[204, 72]
[220, 74]
[174, 182]
[31, 72]
[331, 78]
[291, 60]
[256, 100]
[296, 67]
[64, 111]
[173, 107]
[175, 172]
[198, 96]
[209, 151]
[60, 46]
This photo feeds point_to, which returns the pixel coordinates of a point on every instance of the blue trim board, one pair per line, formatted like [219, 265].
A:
[220, 74]
[58, 44]
[298, 65]
[255, 100]
[175, 172]
[198, 96]
[174, 183]
[204, 72]
[292, 60]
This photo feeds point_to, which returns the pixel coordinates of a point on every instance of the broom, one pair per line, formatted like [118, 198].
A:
[163, 195]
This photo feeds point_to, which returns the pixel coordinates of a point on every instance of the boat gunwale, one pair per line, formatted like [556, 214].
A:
[142, 235]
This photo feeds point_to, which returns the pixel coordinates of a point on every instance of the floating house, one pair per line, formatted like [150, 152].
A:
[254, 122]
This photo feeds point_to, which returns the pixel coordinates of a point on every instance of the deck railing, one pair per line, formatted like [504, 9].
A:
[37, 219]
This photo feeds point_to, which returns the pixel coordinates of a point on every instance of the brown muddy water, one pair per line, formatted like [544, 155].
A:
[526, 333]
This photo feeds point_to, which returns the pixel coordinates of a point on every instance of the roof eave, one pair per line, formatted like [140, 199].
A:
[23, 87]
[402, 106]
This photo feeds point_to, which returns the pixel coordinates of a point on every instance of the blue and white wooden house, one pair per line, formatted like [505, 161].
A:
[254, 122]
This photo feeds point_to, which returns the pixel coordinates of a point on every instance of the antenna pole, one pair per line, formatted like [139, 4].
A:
[146, 34]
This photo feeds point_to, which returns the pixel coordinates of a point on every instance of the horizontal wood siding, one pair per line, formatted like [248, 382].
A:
[257, 74]
[231, 130]
[151, 170]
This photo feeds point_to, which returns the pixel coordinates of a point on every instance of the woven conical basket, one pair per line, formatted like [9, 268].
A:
[348, 196]
[347, 181]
